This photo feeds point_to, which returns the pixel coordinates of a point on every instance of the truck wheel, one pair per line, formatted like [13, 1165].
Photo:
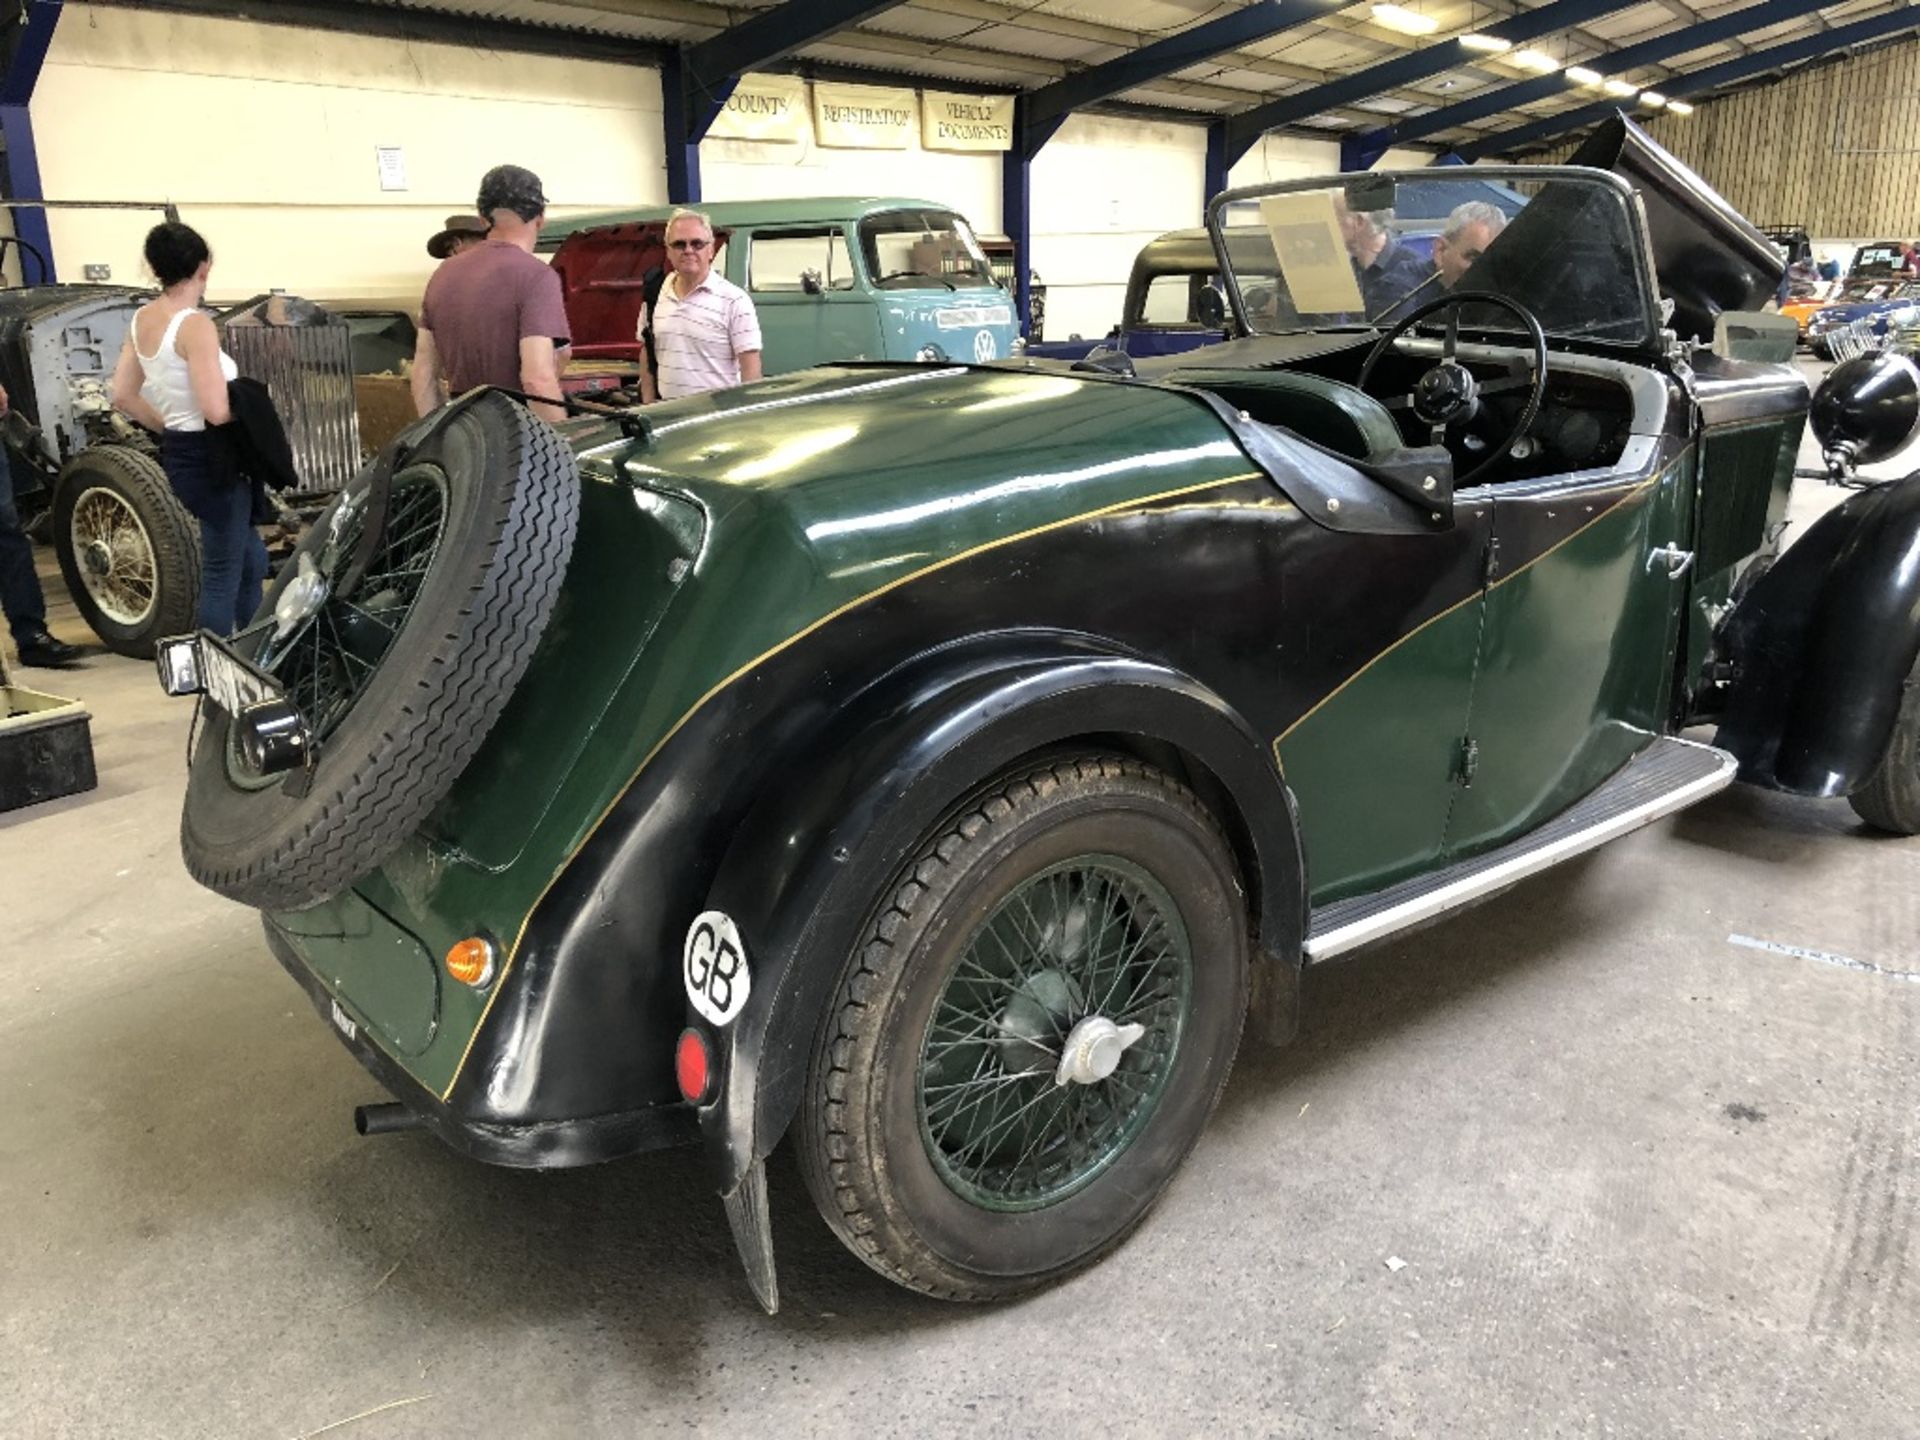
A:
[399, 673]
[128, 549]
[1890, 798]
[1032, 1033]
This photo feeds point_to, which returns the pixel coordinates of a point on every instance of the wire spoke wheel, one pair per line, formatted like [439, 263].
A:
[1033, 1029]
[1092, 939]
[115, 555]
[400, 661]
[326, 658]
[129, 550]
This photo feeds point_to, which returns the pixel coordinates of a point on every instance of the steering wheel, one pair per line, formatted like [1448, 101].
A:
[1448, 395]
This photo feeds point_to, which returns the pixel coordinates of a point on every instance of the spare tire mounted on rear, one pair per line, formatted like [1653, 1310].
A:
[400, 652]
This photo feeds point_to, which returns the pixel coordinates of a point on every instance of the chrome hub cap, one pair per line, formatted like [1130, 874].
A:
[305, 593]
[1093, 1049]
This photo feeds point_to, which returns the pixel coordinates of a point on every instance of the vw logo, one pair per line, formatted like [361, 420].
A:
[983, 347]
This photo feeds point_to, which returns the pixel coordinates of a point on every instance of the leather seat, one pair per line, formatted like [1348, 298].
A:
[1330, 413]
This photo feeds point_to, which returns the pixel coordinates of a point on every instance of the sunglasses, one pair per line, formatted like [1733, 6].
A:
[686, 244]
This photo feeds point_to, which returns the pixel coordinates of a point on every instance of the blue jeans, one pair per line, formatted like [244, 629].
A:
[233, 558]
[20, 595]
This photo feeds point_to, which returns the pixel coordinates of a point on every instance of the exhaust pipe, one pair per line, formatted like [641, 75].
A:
[386, 1118]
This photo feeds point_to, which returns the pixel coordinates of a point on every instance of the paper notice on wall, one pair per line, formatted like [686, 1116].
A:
[862, 117]
[392, 163]
[965, 122]
[764, 107]
[1313, 256]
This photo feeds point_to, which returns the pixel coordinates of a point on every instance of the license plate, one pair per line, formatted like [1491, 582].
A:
[230, 682]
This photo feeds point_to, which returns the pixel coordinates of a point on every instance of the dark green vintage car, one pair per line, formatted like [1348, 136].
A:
[940, 763]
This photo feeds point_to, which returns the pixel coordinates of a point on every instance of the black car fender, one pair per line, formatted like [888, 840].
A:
[1821, 646]
[812, 858]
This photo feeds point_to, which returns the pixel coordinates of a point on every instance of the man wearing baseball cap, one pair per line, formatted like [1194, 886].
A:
[494, 315]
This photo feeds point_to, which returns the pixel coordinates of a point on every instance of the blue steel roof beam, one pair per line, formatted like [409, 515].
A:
[1047, 108]
[711, 68]
[1679, 87]
[1245, 128]
[1686, 39]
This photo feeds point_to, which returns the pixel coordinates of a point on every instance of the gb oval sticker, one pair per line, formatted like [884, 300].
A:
[715, 968]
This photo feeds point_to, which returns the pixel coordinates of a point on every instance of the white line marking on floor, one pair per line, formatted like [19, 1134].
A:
[1824, 957]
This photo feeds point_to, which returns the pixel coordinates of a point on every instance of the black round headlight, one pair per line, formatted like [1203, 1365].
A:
[1867, 408]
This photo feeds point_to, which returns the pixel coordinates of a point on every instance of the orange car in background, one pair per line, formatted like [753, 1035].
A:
[1801, 309]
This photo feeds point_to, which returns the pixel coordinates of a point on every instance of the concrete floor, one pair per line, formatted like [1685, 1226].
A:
[1644, 1182]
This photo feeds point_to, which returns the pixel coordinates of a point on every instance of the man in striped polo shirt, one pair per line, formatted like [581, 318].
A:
[706, 335]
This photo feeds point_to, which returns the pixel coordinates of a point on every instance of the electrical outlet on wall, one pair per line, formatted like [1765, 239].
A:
[97, 271]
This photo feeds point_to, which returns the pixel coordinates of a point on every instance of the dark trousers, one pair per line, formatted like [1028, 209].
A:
[233, 558]
[20, 595]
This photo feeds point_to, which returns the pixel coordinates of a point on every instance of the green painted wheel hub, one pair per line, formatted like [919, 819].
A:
[1051, 1043]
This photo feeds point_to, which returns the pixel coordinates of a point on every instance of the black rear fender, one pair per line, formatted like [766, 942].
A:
[817, 852]
[1822, 644]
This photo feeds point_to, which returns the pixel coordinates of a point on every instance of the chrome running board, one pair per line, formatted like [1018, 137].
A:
[1668, 775]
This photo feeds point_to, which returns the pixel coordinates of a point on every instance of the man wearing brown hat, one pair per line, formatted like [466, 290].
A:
[459, 235]
[494, 315]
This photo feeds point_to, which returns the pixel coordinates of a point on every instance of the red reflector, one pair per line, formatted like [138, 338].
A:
[690, 1065]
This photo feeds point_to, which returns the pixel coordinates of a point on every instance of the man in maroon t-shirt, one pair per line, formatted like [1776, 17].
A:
[495, 315]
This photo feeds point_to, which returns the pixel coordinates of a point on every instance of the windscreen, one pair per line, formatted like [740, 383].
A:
[915, 249]
[1372, 249]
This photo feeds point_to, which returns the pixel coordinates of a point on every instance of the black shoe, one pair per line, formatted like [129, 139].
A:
[47, 650]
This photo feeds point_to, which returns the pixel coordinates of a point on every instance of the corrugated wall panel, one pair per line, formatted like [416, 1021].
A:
[1836, 149]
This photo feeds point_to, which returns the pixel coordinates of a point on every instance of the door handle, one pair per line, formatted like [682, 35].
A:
[1677, 561]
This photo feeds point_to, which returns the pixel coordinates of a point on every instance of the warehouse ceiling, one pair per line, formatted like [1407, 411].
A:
[1388, 73]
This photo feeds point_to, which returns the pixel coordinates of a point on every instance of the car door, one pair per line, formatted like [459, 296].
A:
[1382, 635]
[807, 294]
[1586, 594]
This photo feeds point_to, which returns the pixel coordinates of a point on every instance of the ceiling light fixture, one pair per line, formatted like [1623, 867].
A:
[1486, 44]
[1621, 88]
[1581, 75]
[1534, 60]
[1653, 98]
[1679, 107]
[1407, 22]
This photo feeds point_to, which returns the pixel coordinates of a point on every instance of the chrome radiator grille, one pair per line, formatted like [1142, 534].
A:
[301, 354]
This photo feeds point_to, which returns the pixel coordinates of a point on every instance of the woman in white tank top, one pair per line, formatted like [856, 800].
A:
[172, 377]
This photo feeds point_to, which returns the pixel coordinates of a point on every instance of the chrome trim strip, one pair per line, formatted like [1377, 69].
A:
[1528, 862]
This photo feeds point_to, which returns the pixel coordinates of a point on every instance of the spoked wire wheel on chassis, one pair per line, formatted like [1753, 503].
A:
[398, 630]
[1033, 1033]
[129, 550]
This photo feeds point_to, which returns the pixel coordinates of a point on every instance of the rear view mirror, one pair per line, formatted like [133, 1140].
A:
[1370, 192]
[1755, 335]
[1210, 308]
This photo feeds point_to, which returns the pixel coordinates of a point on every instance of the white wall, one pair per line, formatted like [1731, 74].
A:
[1284, 157]
[1102, 188]
[1294, 157]
[761, 169]
[264, 136]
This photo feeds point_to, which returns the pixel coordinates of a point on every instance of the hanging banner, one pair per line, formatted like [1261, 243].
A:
[764, 107]
[965, 122]
[862, 117]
